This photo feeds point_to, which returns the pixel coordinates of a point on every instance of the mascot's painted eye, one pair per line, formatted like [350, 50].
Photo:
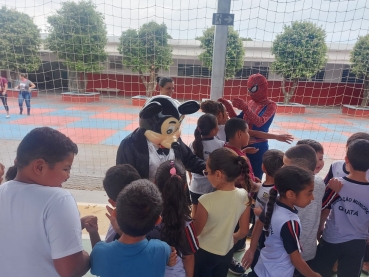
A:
[171, 130]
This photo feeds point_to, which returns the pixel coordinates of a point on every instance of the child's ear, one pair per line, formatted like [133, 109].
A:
[158, 221]
[39, 166]
[263, 168]
[112, 202]
[290, 194]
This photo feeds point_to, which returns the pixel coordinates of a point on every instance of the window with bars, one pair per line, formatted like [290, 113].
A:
[115, 64]
[191, 70]
[349, 77]
[246, 71]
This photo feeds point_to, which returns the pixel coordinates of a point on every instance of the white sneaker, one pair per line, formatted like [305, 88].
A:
[7, 116]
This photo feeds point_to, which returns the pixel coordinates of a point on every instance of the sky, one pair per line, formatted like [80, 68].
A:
[261, 20]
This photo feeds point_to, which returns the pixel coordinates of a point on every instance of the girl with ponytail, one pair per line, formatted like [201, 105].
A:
[293, 187]
[219, 212]
[205, 142]
[177, 228]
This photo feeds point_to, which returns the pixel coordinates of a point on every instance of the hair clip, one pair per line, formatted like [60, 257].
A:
[173, 170]
[274, 187]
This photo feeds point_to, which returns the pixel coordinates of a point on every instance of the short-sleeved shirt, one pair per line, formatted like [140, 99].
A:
[310, 220]
[283, 240]
[144, 259]
[38, 224]
[262, 196]
[349, 216]
[221, 135]
[24, 85]
[3, 82]
[224, 209]
[199, 183]
[193, 245]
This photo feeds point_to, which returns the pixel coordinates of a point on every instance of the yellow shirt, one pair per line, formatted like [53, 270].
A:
[224, 211]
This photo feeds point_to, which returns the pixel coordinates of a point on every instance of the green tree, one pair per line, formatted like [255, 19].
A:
[235, 51]
[146, 51]
[77, 34]
[20, 42]
[300, 52]
[359, 57]
[247, 39]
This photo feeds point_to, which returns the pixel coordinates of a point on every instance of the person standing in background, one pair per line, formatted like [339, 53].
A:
[166, 86]
[25, 86]
[3, 94]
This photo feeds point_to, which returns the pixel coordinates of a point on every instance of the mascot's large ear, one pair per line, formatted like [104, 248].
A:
[150, 110]
[189, 107]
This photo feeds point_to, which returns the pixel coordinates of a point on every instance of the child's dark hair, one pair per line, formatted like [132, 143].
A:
[117, 178]
[303, 156]
[232, 165]
[212, 107]
[205, 124]
[170, 178]
[162, 81]
[42, 143]
[356, 136]
[139, 206]
[358, 153]
[272, 161]
[287, 178]
[313, 143]
[234, 125]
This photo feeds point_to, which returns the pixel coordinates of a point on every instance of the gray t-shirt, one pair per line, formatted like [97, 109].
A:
[310, 219]
[24, 85]
[200, 183]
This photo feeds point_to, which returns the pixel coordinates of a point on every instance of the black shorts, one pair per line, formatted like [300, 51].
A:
[195, 198]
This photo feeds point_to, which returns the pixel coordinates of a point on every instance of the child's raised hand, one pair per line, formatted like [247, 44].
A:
[2, 171]
[247, 259]
[285, 138]
[335, 185]
[91, 225]
[111, 215]
[173, 257]
[84, 219]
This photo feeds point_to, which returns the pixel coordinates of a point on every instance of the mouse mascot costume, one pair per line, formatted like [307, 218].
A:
[258, 113]
[158, 138]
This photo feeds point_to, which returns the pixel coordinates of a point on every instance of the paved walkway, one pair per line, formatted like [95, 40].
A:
[98, 128]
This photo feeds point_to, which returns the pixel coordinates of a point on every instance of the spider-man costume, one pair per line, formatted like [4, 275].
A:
[258, 113]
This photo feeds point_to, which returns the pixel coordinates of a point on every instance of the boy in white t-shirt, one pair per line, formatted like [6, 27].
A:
[40, 230]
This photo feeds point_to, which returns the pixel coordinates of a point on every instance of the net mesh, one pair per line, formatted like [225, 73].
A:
[99, 127]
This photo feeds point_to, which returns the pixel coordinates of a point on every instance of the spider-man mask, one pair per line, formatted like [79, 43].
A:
[257, 86]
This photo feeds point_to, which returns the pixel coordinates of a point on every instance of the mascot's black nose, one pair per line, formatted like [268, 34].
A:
[175, 145]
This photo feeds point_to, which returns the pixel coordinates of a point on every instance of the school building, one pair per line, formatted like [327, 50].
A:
[332, 85]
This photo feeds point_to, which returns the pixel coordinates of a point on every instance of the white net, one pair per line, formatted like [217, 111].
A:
[99, 127]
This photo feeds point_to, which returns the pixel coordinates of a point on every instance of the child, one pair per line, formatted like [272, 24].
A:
[346, 230]
[338, 169]
[237, 136]
[40, 230]
[272, 162]
[218, 212]
[139, 207]
[204, 143]
[218, 109]
[319, 150]
[305, 157]
[281, 254]
[176, 228]
[116, 179]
